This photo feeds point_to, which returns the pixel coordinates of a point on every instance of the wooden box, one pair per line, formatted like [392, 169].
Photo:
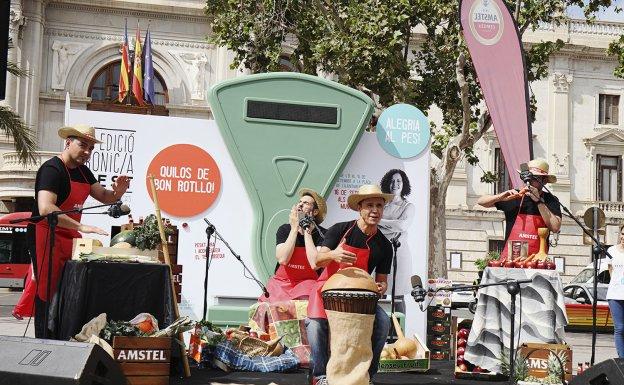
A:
[470, 373]
[87, 245]
[537, 357]
[144, 360]
[416, 365]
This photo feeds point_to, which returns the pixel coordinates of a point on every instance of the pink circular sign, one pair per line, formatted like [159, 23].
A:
[486, 21]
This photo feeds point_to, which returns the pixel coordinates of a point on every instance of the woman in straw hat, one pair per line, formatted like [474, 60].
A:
[296, 247]
[527, 209]
[356, 243]
[64, 183]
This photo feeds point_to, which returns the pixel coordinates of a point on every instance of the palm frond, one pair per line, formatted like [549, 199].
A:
[23, 138]
[15, 70]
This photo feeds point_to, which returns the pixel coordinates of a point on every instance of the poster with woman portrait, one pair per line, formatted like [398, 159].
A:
[405, 218]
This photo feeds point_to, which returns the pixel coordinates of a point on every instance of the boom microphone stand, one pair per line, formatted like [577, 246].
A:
[209, 231]
[395, 245]
[513, 288]
[253, 277]
[52, 219]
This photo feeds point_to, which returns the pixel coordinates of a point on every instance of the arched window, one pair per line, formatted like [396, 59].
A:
[104, 89]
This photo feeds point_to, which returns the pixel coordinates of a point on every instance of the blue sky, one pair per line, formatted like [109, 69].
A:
[606, 15]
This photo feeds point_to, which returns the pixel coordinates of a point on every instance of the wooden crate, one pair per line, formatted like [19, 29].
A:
[416, 365]
[144, 360]
[537, 357]
[87, 245]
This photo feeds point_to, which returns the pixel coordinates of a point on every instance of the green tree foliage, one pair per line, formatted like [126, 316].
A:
[12, 125]
[363, 45]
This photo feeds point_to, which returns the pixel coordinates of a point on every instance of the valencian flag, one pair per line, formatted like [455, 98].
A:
[494, 43]
[124, 71]
[148, 80]
[137, 77]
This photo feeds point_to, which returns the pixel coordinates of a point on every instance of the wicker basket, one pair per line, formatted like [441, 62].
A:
[255, 347]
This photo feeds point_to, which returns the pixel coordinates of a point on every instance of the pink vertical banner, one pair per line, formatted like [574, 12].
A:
[494, 44]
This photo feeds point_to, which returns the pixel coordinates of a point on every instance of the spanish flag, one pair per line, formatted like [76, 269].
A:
[137, 77]
[124, 71]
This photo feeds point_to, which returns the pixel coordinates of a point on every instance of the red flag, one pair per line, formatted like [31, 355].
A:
[137, 77]
[124, 71]
[494, 44]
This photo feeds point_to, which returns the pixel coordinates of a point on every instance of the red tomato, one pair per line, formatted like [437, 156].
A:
[461, 351]
[509, 264]
[477, 369]
[541, 265]
[463, 368]
[461, 343]
[460, 360]
[462, 333]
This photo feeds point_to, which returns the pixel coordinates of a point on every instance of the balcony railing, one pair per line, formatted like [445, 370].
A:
[11, 162]
[611, 207]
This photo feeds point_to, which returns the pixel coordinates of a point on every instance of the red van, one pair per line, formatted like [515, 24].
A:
[14, 254]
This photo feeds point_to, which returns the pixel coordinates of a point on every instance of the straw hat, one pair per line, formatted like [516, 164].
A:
[82, 131]
[320, 203]
[367, 191]
[539, 167]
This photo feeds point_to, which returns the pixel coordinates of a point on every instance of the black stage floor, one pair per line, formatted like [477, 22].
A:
[441, 373]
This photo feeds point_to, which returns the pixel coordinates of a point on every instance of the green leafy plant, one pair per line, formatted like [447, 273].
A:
[147, 235]
[119, 328]
[521, 366]
[482, 263]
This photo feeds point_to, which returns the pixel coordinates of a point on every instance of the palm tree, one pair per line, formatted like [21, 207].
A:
[13, 126]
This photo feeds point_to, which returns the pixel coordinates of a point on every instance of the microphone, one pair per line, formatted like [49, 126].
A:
[118, 209]
[525, 174]
[210, 229]
[305, 221]
[418, 292]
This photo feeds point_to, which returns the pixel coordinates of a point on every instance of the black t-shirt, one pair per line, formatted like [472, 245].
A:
[380, 258]
[284, 230]
[510, 208]
[52, 176]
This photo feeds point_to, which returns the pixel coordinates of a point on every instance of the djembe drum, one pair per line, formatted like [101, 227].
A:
[350, 298]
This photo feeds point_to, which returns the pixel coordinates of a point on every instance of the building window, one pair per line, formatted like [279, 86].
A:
[503, 181]
[609, 178]
[608, 109]
[496, 245]
[454, 261]
[104, 89]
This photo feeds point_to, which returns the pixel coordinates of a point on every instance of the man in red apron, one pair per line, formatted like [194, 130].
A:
[296, 248]
[528, 209]
[356, 243]
[64, 183]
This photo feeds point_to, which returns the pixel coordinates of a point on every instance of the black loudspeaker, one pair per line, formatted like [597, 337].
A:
[609, 372]
[30, 361]
[5, 11]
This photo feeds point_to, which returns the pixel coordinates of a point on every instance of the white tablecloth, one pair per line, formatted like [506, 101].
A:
[540, 314]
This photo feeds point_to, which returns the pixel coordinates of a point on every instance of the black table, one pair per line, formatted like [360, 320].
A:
[121, 290]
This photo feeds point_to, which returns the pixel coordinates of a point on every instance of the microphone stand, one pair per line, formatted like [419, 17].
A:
[52, 219]
[597, 250]
[253, 277]
[209, 231]
[395, 245]
[513, 288]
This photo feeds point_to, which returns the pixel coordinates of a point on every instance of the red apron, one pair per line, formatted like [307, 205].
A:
[525, 230]
[78, 194]
[294, 280]
[315, 303]
[25, 306]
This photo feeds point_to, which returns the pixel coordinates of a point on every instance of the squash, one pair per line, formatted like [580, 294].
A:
[124, 236]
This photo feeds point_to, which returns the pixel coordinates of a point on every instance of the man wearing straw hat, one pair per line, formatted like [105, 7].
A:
[296, 246]
[64, 183]
[357, 243]
[527, 209]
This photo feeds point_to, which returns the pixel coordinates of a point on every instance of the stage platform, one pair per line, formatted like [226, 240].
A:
[441, 373]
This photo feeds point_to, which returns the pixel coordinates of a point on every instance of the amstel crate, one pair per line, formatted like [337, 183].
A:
[144, 360]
